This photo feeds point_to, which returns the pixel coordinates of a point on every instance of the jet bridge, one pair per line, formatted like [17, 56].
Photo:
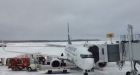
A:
[104, 53]
[130, 46]
[135, 49]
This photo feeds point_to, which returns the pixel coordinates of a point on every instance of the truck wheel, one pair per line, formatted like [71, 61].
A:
[35, 69]
[49, 71]
[29, 69]
[13, 69]
[64, 71]
[18, 69]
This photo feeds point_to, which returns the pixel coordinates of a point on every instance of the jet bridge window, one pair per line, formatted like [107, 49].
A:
[86, 56]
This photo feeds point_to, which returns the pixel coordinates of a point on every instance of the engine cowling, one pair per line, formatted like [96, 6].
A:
[55, 62]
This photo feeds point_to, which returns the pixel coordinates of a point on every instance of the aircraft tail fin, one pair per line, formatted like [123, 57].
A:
[69, 40]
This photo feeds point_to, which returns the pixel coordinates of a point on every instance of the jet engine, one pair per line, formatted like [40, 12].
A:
[55, 62]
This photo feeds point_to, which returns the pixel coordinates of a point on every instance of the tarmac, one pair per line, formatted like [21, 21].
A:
[110, 69]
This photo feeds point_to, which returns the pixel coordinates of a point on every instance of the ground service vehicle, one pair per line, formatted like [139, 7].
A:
[17, 64]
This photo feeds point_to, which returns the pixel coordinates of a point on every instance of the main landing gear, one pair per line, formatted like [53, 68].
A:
[134, 70]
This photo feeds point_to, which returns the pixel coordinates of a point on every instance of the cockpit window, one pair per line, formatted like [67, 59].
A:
[86, 56]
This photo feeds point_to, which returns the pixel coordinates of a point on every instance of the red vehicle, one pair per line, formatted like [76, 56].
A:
[19, 63]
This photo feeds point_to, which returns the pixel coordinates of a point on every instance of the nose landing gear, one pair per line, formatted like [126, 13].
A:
[86, 72]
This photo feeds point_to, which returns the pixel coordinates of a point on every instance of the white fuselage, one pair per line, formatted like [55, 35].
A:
[80, 56]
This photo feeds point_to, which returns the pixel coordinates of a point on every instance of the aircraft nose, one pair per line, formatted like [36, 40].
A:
[89, 64]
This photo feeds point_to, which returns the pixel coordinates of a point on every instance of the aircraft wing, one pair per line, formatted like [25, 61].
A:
[58, 57]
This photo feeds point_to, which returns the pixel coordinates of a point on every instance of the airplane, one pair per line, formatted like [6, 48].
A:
[84, 57]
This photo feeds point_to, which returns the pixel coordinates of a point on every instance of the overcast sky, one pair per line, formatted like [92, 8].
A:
[47, 19]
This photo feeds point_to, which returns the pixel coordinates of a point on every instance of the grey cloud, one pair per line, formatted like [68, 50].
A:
[47, 19]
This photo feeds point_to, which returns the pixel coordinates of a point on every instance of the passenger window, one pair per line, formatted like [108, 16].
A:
[86, 56]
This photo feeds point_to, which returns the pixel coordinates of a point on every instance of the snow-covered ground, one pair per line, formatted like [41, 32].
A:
[16, 49]
[111, 69]
[43, 48]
